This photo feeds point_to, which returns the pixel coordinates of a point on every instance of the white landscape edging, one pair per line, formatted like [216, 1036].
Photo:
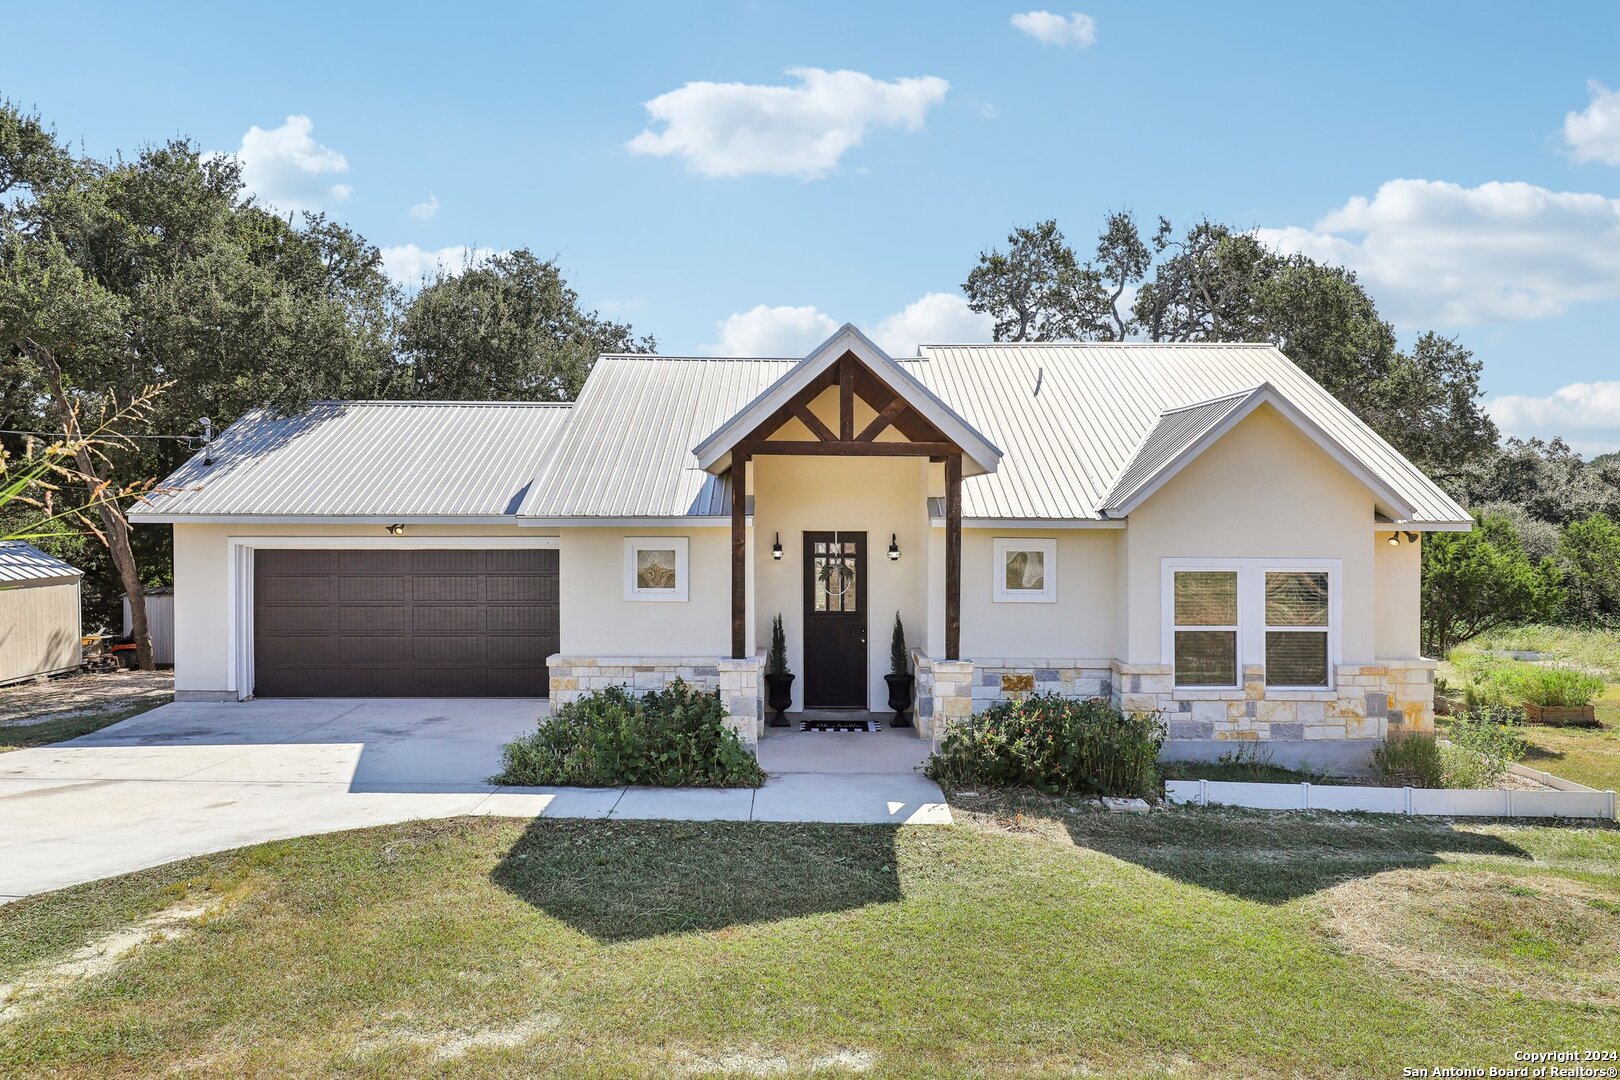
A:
[1445, 802]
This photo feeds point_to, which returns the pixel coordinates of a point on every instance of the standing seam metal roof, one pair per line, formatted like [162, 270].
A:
[362, 459]
[24, 564]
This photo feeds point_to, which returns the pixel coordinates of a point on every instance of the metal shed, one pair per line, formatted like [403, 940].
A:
[40, 622]
[159, 623]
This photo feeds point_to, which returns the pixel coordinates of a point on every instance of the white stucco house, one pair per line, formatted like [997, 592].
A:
[1199, 530]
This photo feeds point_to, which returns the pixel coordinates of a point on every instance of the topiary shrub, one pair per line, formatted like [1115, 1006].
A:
[675, 737]
[1054, 744]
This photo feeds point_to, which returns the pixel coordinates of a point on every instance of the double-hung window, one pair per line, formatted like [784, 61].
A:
[1206, 627]
[1223, 614]
[1297, 628]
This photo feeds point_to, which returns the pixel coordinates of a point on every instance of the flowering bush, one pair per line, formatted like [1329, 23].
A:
[1054, 744]
[676, 737]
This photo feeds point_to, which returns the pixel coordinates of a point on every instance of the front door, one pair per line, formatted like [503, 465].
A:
[835, 620]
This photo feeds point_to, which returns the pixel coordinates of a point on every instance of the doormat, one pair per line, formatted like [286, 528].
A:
[839, 725]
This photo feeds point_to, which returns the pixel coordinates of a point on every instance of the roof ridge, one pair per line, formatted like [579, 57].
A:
[1218, 397]
[1095, 345]
[404, 401]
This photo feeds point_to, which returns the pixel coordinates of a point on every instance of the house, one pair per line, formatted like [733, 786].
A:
[40, 622]
[1200, 530]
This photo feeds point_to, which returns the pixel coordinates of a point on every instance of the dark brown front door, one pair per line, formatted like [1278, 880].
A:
[407, 623]
[834, 620]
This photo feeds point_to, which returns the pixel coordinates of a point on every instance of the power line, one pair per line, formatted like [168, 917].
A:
[112, 438]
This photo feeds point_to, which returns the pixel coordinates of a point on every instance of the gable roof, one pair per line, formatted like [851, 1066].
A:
[24, 564]
[979, 454]
[382, 461]
[628, 451]
[1073, 417]
[1182, 434]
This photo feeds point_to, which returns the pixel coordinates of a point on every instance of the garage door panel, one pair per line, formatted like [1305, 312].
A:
[371, 588]
[449, 622]
[439, 588]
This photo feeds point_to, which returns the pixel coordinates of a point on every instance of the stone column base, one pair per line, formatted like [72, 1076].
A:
[738, 682]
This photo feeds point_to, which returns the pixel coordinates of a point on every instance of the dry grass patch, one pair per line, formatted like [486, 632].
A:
[1546, 936]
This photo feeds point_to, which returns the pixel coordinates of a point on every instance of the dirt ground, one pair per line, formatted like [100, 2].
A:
[82, 695]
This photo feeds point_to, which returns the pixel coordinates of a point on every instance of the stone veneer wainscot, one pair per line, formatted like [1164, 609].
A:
[739, 682]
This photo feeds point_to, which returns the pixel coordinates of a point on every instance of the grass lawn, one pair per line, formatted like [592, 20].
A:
[1026, 940]
[22, 736]
[1585, 755]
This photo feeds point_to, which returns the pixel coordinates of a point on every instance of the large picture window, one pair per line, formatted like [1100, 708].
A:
[1223, 614]
[1206, 627]
[655, 568]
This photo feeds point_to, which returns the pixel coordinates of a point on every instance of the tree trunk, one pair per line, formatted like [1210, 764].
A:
[114, 526]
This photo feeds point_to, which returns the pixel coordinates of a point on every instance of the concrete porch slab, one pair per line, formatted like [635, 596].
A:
[857, 798]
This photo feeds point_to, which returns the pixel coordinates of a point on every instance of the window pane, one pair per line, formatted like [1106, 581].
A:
[1026, 570]
[835, 582]
[655, 568]
[1296, 658]
[1206, 598]
[1206, 658]
[1297, 599]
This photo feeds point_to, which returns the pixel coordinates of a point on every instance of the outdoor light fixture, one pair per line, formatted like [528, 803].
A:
[776, 548]
[1394, 540]
[395, 530]
[1411, 537]
[894, 547]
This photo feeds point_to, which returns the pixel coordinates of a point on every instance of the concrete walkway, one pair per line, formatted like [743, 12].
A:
[195, 777]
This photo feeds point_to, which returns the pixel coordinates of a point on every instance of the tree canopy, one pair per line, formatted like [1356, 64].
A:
[1213, 283]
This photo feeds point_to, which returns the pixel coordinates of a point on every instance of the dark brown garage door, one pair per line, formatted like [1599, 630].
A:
[447, 623]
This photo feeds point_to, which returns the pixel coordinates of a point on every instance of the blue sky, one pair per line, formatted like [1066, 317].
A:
[1465, 158]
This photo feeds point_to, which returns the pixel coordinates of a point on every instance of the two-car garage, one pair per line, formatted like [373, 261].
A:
[403, 622]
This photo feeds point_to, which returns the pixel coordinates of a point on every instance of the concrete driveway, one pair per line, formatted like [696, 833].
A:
[196, 777]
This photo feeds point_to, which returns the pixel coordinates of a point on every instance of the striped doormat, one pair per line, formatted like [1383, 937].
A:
[835, 724]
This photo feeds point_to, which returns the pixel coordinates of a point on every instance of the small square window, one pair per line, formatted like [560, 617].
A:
[655, 568]
[1025, 571]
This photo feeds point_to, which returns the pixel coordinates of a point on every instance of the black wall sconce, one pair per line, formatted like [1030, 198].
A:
[776, 548]
[894, 547]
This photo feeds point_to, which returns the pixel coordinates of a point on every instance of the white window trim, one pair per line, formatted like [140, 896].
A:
[635, 544]
[1001, 546]
[1251, 628]
[239, 629]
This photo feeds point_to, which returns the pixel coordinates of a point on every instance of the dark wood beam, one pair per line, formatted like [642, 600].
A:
[757, 447]
[883, 420]
[846, 397]
[953, 557]
[739, 556]
[813, 422]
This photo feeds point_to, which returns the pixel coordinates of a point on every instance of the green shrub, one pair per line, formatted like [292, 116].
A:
[1482, 745]
[1409, 760]
[675, 737]
[1054, 744]
[1553, 687]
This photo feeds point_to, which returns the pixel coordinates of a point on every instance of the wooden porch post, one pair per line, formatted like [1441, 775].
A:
[739, 556]
[953, 557]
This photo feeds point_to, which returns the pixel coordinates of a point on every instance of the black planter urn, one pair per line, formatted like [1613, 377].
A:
[779, 696]
[900, 697]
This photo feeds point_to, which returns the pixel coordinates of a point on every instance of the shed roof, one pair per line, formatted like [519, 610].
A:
[22, 563]
[365, 460]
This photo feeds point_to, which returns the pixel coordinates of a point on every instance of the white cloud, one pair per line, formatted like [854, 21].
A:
[408, 264]
[1587, 415]
[742, 129]
[1594, 134]
[935, 319]
[1439, 254]
[287, 169]
[424, 210]
[772, 331]
[1076, 30]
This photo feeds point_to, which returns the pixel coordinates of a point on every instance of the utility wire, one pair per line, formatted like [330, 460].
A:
[62, 435]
